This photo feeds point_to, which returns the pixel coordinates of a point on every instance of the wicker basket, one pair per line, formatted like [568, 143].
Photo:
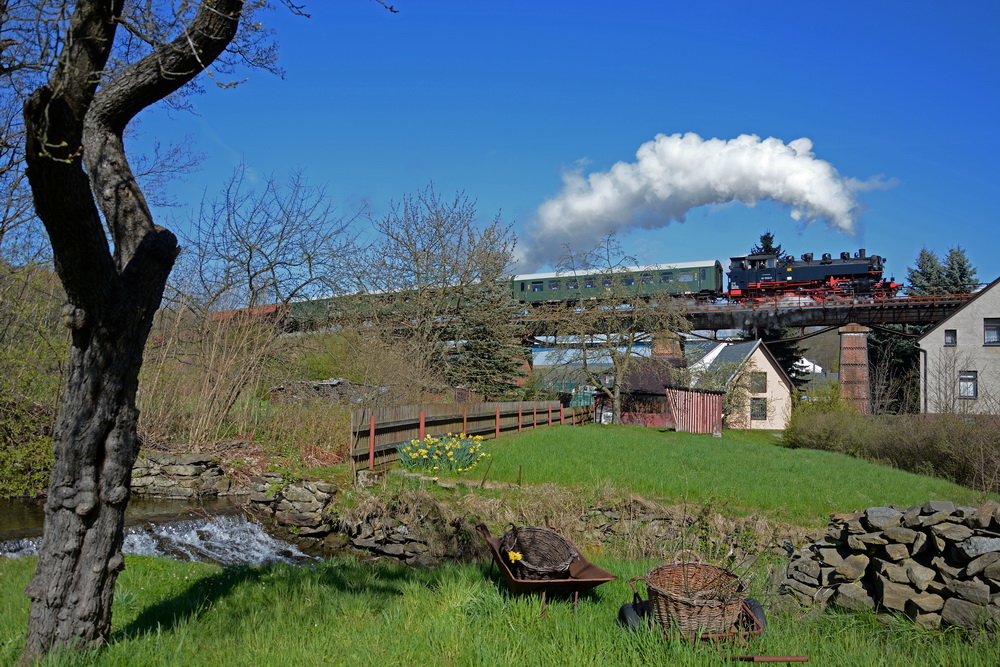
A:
[545, 554]
[695, 598]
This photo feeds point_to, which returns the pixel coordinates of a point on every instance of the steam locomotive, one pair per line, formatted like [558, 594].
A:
[755, 277]
[751, 278]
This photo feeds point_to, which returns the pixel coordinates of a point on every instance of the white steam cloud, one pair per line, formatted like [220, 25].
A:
[674, 174]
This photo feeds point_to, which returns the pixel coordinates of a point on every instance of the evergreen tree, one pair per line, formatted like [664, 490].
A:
[767, 247]
[959, 274]
[928, 275]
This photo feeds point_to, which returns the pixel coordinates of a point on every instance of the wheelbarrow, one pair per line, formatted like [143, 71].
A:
[583, 575]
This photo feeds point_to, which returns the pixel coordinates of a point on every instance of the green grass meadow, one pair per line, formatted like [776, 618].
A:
[741, 471]
[345, 611]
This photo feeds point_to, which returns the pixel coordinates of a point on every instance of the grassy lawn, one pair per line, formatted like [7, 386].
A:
[343, 612]
[741, 471]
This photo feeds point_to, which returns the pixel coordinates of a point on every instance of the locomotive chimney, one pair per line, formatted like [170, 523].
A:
[861, 253]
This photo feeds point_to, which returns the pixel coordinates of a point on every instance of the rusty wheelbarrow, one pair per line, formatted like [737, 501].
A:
[583, 575]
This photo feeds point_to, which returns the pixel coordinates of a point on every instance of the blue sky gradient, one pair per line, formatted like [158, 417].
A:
[501, 99]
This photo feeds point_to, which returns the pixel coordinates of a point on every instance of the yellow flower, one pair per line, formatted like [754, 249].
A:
[514, 556]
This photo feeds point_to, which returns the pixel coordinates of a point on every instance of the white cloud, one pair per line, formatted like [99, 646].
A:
[674, 174]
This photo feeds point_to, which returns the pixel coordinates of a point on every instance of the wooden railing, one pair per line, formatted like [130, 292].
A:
[376, 433]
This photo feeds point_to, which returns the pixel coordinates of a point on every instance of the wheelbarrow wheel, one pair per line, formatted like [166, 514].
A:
[633, 615]
[757, 609]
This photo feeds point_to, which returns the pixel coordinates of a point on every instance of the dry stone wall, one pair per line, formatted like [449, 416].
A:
[936, 563]
[166, 475]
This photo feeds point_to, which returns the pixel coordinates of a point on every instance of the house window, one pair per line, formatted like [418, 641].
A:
[991, 331]
[968, 384]
[553, 285]
[758, 382]
[758, 409]
[950, 337]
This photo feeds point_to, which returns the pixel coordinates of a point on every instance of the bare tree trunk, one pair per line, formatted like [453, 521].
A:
[78, 119]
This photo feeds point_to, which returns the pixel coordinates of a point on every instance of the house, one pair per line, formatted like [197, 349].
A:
[759, 392]
[960, 358]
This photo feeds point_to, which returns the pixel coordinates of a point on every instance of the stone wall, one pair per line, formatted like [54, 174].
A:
[938, 564]
[167, 475]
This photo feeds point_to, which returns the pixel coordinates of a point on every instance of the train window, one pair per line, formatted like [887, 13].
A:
[537, 287]
[590, 282]
[572, 284]
[554, 285]
[758, 408]
[968, 384]
[991, 331]
[646, 279]
[666, 276]
[606, 281]
[685, 276]
[758, 382]
[950, 337]
[628, 281]
[703, 274]
[522, 285]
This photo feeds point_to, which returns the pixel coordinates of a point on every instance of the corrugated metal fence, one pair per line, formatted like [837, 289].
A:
[375, 434]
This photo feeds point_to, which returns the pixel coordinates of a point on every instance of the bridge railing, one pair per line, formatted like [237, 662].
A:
[377, 433]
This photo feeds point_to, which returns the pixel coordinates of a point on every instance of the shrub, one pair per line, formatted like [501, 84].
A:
[452, 453]
[959, 448]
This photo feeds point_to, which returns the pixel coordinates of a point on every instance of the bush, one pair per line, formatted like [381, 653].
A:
[960, 448]
[25, 449]
[452, 453]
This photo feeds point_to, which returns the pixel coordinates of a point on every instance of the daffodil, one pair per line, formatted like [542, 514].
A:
[514, 556]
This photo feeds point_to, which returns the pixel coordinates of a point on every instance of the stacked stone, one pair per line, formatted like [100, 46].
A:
[166, 475]
[938, 564]
[303, 505]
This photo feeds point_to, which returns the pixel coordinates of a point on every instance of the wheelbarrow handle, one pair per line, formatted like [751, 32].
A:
[635, 593]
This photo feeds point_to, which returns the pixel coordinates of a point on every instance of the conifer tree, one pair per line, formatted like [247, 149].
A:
[959, 274]
[928, 275]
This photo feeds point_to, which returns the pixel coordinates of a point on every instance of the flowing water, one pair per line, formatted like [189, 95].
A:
[217, 533]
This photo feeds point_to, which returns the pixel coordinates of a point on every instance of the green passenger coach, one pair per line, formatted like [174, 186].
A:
[691, 279]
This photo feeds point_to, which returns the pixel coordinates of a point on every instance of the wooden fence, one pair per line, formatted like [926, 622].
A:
[375, 434]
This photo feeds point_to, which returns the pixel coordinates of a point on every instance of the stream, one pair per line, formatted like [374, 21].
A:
[216, 531]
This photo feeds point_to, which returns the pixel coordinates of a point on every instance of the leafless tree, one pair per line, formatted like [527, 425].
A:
[438, 282]
[252, 250]
[610, 334]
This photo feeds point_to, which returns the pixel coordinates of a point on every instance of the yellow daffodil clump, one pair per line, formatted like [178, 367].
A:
[452, 452]
[514, 556]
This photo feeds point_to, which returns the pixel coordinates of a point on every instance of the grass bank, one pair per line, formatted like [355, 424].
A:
[740, 471]
[349, 613]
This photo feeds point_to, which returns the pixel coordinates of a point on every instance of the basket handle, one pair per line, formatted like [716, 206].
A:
[694, 555]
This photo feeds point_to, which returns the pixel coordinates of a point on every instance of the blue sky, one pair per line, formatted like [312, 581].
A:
[502, 99]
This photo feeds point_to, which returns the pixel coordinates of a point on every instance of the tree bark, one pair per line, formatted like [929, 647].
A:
[78, 172]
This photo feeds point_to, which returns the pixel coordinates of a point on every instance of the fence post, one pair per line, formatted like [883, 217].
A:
[520, 420]
[534, 415]
[422, 428]
[496, 433]
[465, 419]
[550, 415]
[371, 443]
[562, 415]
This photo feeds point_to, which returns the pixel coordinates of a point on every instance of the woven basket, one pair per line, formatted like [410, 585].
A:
[695, 598]
[545, 554]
